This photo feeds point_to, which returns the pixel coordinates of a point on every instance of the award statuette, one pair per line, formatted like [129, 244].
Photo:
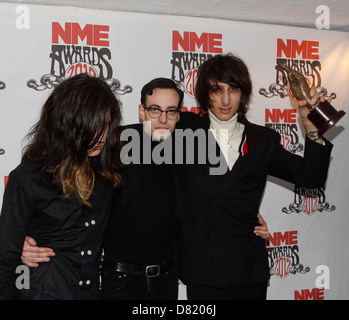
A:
[322, 114]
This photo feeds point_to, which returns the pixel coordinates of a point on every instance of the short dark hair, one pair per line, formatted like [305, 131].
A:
[161, 83]
[223, 68]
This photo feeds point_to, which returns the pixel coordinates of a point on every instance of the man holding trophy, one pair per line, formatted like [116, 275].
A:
[219, 256]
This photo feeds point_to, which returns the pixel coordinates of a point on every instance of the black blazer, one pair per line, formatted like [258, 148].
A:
[218, 246]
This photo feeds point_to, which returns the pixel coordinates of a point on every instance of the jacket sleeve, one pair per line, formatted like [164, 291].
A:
[14, 220]
[309, 171]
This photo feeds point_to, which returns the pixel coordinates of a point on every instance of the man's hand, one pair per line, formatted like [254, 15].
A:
[303, 111]
[32, 255]
[262, 230]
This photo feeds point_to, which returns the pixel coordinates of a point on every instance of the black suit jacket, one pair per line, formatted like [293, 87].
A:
[218, 246]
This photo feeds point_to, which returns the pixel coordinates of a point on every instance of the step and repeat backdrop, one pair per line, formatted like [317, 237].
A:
[42, 45]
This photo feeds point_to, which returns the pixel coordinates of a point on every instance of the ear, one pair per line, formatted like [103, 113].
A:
[141, 112]
[178, 116]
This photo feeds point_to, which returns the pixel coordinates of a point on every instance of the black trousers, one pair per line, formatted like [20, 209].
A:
[127, 286]
[253, 291]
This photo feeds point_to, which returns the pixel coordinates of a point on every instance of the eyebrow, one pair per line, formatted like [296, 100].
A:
[157, 106]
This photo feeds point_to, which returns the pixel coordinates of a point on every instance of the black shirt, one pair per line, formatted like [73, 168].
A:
[139, 230]
[33, 206]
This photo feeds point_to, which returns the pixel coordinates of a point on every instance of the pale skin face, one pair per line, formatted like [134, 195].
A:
[163, 99]
[225, 101]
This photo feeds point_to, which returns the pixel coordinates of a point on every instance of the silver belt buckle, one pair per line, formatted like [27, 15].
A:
[147, 269]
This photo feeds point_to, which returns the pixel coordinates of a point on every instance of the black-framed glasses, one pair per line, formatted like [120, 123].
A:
[155, 112]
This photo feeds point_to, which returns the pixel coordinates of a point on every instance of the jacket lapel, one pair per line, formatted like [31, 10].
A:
[242, 167]
[213, 151]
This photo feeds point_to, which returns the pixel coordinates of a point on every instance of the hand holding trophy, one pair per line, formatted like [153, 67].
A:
[323, 115]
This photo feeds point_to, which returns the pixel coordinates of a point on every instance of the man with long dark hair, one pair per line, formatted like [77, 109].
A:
[220, 258]
[61, 192]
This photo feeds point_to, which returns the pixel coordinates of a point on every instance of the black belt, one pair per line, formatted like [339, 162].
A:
[149, 271]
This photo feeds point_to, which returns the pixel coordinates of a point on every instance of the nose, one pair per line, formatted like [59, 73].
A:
[225, 98]
[163, 117]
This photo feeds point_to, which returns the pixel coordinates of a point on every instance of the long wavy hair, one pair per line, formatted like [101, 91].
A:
[72, 120]
[223, 68]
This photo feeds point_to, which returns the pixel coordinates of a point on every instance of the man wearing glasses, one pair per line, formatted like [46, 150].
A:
[138, 248]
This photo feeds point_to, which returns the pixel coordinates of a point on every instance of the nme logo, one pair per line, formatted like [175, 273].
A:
[284, 122]
[283, 254]
[300, 55]
[288, 238]
[94, 35]
[293, 50]
[77, 49]
[276, 115]
[191, 42]
[306, 294]
[189, 51]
